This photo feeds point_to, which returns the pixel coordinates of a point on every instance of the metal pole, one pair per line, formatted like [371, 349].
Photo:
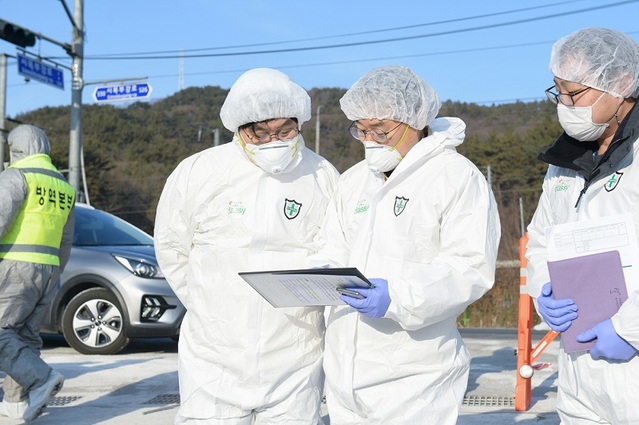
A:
[317, 130]
[77, 84]
[521, 216]
[216, 136]
[3, 106]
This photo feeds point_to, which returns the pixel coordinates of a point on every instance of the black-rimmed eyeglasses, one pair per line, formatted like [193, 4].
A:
[265, 137]
[377, 135]
[565, 98]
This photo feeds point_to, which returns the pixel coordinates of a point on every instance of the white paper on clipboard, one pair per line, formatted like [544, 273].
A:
[305, 288]
[611, 233]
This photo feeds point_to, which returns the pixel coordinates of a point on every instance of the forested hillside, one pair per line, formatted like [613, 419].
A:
[130, 150]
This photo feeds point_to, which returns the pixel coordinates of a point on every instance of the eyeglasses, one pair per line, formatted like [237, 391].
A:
[556, 97]
[284, 134]
[376, 135]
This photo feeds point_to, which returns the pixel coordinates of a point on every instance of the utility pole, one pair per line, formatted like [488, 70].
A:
[317, 129]
[23, 38]
[214, 131]
[181, 72]
[77, 84]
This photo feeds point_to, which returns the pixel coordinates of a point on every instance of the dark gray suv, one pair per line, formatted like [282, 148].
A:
[112, 288]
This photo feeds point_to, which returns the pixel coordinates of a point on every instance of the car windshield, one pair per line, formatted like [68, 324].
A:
[95, 228]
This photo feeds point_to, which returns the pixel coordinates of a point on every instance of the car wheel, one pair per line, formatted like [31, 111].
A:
[93, 323]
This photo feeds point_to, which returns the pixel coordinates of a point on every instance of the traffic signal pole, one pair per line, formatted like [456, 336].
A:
[24, 37]
[77, 84]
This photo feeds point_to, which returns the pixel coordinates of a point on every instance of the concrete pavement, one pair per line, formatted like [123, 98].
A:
[491, 385]
[140, 385]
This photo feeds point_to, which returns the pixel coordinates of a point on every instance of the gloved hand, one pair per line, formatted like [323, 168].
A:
[609, 344]
[559, 314]
[376, 302]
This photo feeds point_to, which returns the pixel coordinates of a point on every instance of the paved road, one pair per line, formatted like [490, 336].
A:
[140, 385]
[489, 398]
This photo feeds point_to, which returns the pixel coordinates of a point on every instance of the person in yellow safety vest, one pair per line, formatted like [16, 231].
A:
[36, 231]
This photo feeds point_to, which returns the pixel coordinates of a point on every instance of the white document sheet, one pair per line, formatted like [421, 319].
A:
[612, 233]
[304, 288]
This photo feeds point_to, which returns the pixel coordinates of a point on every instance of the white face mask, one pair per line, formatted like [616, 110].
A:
[577, 122]
[276, 157]
[381, 158]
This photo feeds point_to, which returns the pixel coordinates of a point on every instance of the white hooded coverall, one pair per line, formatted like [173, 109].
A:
[593, 391]
[432, 230]
[220, 214]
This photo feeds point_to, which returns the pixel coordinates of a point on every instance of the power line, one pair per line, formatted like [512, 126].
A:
[447, 21]
[360, 60]
[387, 58]
[362, 43]
[384, 58]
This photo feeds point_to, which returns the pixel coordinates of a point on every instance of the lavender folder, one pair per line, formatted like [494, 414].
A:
[596, 283]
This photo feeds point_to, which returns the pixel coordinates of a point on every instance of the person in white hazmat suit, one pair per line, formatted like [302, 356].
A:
[253, 204]
[592, 173]
[420, 221]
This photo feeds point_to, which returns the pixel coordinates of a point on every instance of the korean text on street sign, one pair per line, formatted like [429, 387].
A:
[40, 71]
[122, 92]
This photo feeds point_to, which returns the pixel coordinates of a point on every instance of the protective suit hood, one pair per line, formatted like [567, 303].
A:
[27, 140]
[444, 133]
[453, 128]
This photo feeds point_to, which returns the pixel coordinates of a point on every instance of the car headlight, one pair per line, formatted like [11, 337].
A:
[140, 267]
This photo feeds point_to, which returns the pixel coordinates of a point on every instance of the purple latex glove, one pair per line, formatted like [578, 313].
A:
[559, 314]
[609, 344]
[376, 301]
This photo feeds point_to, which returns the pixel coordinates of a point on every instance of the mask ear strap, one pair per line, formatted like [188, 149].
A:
[239, 139]
[615, 116]
[401, 139]
[249, 154]
[295, 147]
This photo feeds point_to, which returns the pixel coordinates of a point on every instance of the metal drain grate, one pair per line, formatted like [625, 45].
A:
[165, 399]
[64, 400]
[472, 400]
[488, 401]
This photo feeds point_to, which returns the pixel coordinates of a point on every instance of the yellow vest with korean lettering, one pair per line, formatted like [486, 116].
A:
[36, 233]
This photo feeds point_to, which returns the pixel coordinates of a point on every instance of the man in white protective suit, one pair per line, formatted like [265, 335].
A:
[420, 221]
[253, 204]
[592, 174]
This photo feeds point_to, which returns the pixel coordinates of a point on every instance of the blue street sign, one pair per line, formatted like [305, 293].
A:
[122, 92]
[40, 71]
